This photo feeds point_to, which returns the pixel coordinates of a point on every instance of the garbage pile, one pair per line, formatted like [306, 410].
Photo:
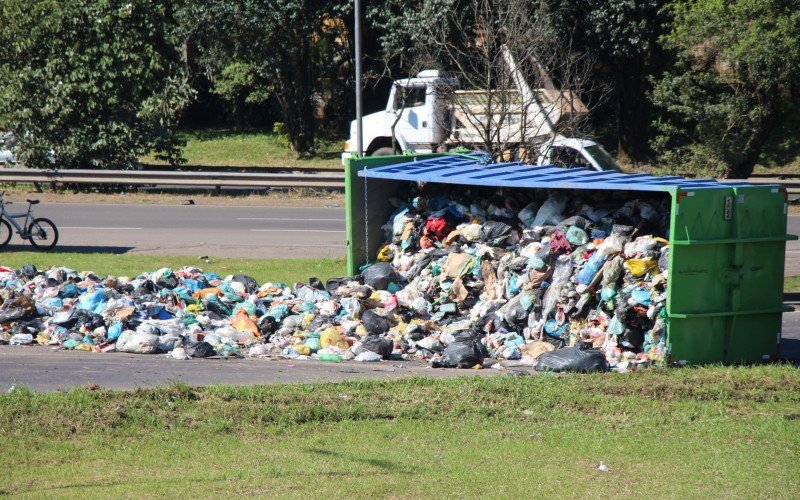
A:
[481, 279]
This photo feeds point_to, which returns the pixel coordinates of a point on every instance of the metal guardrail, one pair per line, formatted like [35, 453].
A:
[241, 177]
[792, 186]
[331, 181]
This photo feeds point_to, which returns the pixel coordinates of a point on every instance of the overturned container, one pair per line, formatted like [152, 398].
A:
[727, 241]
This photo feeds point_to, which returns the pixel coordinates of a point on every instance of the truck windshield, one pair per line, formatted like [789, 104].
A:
[602, 157]
[409, 97]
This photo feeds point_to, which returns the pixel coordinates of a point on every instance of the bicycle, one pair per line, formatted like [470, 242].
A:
[40, 232]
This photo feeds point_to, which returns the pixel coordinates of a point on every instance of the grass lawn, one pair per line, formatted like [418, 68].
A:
[251, 149]
[284, 270]
[699, 432]
[791, 284]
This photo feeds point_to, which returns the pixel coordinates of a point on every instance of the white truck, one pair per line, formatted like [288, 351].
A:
[419, 119]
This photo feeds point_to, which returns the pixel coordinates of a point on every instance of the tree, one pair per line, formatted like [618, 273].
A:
[490, 48]
[737, 68]
[98, 82]
[286, 45]
[622, 36]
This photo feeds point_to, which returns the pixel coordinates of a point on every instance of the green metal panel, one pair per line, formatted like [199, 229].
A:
[725, 293]
[727, 245]
[358, 225]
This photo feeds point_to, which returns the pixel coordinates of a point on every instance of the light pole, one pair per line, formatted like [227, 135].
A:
[359, 111]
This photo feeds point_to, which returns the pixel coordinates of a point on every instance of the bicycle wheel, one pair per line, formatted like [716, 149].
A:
[5, 233]
[43, 234]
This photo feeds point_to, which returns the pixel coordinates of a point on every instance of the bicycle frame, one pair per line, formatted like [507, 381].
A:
[12, 218]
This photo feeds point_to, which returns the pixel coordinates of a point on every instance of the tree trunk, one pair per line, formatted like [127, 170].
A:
[744, 163]
[633, 113]
[296, 101]
[747, 160]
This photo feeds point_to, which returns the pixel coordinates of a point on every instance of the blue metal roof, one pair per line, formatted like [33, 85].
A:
[459, 169]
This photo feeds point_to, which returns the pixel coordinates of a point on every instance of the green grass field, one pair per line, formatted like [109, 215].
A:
[700, 432]
[251, 149]
[284, 270]
[791, 284]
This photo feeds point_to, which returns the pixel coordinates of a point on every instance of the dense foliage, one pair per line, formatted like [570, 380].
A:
[285, 47]
[95, 83]
[689, 83]
[737, 70]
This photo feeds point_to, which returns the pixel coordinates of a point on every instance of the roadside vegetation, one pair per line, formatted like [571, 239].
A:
[695, 432]
[263, 270]
[216, 147]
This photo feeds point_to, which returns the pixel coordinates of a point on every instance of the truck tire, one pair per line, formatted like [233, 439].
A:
[384, 151]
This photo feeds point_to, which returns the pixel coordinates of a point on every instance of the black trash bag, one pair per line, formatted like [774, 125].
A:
[463, 353]
[250, 285]
[633, 339]
[332, 284]
[663, 260]
[147, 287]
[575, 220]
[267, 325]
[168, 283]
[378, 345]
[214, 304]
[314, 282]
[88, 319]
[494, 232]
[375, 324]
[9, 314]
[380, 275]
[572, 359]
[200, 349]
[28, 271]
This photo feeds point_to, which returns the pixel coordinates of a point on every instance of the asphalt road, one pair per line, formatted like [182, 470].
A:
[224, 231]
[194, 230]
[41, 369]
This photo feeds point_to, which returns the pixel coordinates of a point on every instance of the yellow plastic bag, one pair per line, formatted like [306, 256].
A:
[302, 349]
[384, 254]
[640, 267]
[332, 337]
[242, 322]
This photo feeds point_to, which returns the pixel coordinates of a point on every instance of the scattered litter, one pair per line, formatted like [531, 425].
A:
[467, 280]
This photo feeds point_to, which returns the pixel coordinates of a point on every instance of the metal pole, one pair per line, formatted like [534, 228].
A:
[359, 110]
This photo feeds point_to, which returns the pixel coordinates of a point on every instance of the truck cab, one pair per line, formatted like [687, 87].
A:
[414, 112]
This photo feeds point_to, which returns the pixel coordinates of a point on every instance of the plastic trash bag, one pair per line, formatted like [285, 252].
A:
[379, 276]
[463, 354]
[375, 324]
[495, 233]
[378, 345]
[367, 357]
[200, 349]
[572, 359]
[590, 268]
[7, 315]
[250, 285]
[552, 209]
[640, 267]
[577, 236]
[21, 339]
[137, 342]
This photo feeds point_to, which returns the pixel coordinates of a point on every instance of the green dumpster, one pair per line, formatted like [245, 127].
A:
[727, 242]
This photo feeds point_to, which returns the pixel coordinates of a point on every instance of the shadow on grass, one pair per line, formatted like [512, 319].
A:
[70, 248]
[375, 462]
